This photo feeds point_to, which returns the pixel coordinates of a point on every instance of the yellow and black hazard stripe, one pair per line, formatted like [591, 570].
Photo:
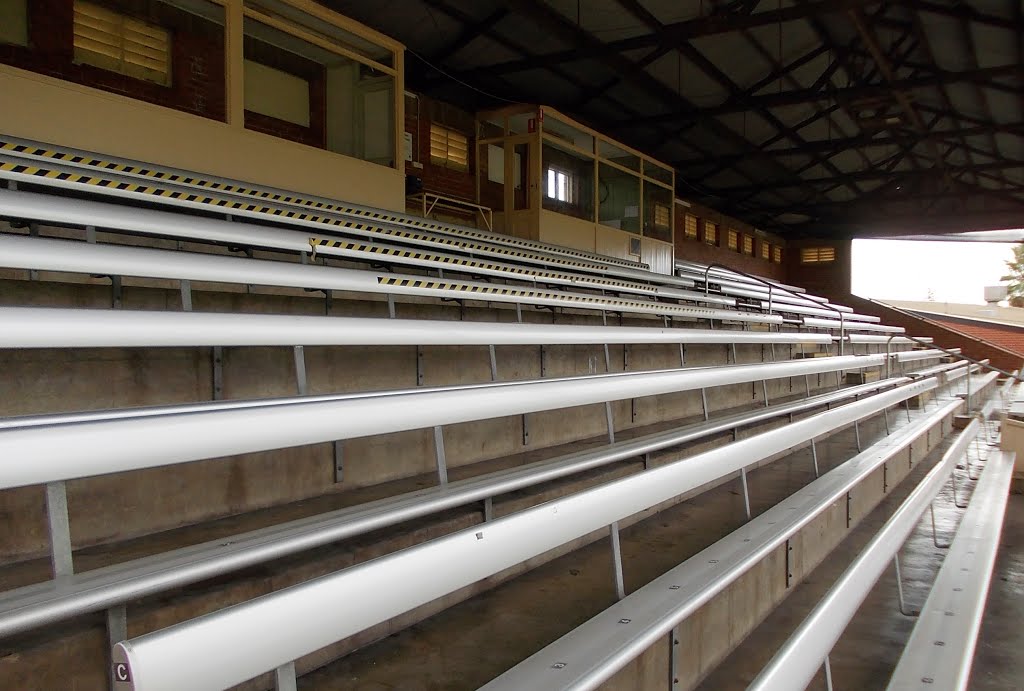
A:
[470, 264]
[466, 290]
[229, 205]
[232, 188]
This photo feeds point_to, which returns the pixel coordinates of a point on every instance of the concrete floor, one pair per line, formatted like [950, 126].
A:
[471, 643]
[866, 655]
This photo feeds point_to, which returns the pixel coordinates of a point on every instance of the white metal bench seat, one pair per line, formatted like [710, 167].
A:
[294, 619]
[37, 605]
[591, 653]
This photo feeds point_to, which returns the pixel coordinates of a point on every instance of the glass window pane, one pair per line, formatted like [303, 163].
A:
[522, 123]
[613, 153]
[324, 30]
[658, 212]
[565, 132]
[618, 194]
[303, 92]
[569, 182]
[657, 172]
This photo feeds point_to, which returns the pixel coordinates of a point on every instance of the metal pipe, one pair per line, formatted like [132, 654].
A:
[596, 650]
[83, 449]
[180, 656]
[795, 665]
[41, 604]
[19, 252]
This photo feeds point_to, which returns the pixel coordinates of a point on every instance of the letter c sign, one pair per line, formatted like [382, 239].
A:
[121, 672]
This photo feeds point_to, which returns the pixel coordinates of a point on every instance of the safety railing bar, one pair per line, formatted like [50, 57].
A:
[984, 363]
[771, 286]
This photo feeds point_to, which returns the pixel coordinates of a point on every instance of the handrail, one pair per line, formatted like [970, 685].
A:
[771, 286]
[75, 594]
[796, 663]
[982, 363]
[204, 653]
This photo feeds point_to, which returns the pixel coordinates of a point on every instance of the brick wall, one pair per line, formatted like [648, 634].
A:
[696, 250]
[831, 279]
[460, 184]
[197, 56]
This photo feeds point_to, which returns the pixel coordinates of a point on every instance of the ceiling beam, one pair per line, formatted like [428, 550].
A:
[707, 25]
[863, 175]
[831, 147]
[842, 95]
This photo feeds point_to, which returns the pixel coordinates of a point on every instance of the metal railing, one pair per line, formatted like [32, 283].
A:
[981, 363]
[771, 286]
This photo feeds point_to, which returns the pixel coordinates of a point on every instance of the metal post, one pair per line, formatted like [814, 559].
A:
[620, 587]
[300, 370]
[856, 432]
[60, 529]
[494, 363]
[33, 231]
[284, 677]
[935, 532]
[789, 562]
[186, 295]
[543, 361]
[814, 457]
[442, 464]
[488, 510]
[526, 430]
[116, 292]
[117, 631]
[610, 420]
[746, 492]
[899, 588]
[828, 674]
[419, 365]
[764, 388]
[217, 357]
[673, 659]
[519, 313]
[682, 355]
[391, 306]
[339, 460]
[704, 403]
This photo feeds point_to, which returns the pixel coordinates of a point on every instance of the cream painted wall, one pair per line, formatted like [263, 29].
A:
[58, 112]
[280, 95]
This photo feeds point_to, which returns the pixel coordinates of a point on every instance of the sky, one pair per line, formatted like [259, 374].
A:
[909, 269]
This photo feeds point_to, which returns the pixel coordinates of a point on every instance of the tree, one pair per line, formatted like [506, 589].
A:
[1015, 289]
